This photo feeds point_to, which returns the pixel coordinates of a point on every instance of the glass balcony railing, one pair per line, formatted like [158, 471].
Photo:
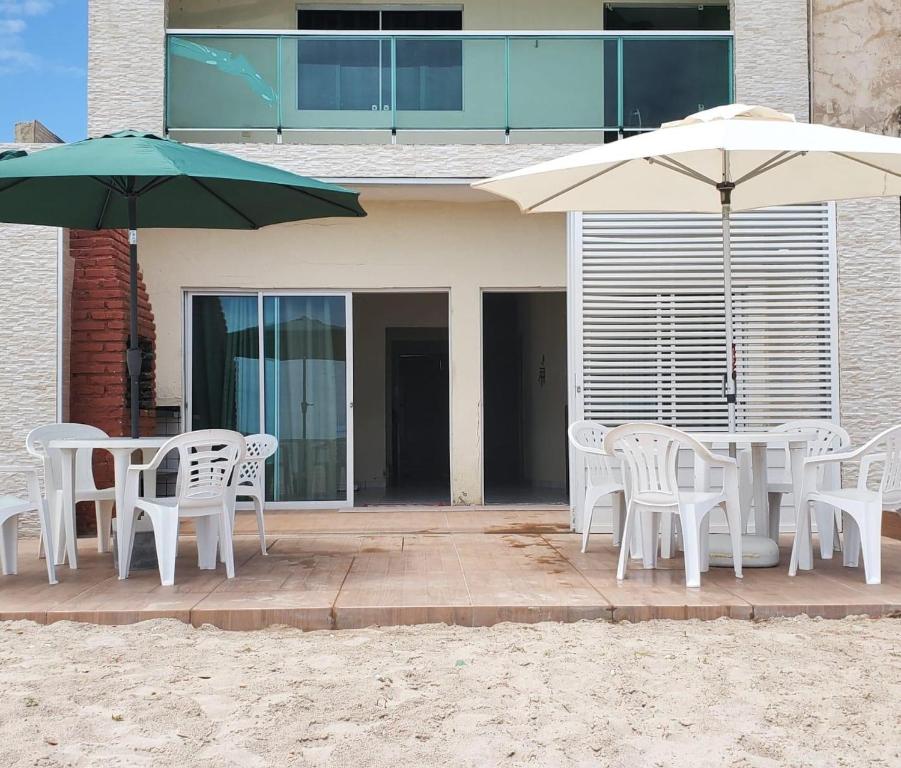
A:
[467, 81]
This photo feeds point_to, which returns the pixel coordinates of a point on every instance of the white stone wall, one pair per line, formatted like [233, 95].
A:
[869, 266]
[126, 65]
[28, 339]
[771, 64]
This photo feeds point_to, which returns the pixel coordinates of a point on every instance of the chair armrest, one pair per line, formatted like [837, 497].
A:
[864, 472]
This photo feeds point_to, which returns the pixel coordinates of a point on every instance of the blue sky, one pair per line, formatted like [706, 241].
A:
[43, 63]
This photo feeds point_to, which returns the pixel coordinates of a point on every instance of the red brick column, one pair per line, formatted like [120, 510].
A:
[98, 387]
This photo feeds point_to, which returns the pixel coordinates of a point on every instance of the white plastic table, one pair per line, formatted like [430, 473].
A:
[759, 443]
[121, 449]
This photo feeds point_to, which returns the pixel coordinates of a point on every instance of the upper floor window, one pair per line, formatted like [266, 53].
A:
[665, 17]
[351, 73]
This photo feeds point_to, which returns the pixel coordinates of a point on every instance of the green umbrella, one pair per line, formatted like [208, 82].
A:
[131, 179]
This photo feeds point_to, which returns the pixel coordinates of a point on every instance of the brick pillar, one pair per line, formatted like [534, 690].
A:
[98, 387]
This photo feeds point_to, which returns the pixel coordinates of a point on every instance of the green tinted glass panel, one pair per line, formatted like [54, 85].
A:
[225, 363]
[222, 82]
[666, 79]
[336, 83]
[558, 83]
[306, 396]
[448, 84]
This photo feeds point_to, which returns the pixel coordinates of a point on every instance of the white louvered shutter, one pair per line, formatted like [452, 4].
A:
[653, 320]
[783, 315]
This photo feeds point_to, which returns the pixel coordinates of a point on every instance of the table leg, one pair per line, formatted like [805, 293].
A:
[761, 497]
[797, 452]
[67, 465]
[121, 460]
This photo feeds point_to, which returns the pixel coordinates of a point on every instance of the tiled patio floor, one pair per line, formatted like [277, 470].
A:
[474, 567]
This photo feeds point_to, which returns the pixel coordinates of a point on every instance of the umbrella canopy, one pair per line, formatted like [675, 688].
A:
[131, 179]
[735, 157]
[87, 184]
[755, 156]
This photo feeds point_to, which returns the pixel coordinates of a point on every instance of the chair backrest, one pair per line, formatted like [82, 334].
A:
[651, 453]
[259, 448]
[37, 444]
[888, 445]
[207, 461]
[830, 436]
[599, 469]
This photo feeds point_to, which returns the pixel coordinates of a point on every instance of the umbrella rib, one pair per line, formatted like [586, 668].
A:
[562, 192]
[321, 199]
[14, 183]
[153, 184]
[869, 165]
[109, 194]
[224, 202]
[769, 165]
[683, 169]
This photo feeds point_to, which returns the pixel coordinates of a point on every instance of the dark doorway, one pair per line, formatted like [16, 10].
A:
[524, 397]
[401, 399]
[418, 415]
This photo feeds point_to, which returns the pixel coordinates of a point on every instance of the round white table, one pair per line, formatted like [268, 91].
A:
[122, 449]
[759, 442]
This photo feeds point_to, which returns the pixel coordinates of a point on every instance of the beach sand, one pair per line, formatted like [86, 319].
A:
[790, 692]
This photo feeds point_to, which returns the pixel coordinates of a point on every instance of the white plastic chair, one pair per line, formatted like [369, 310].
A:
[36, 443]
[602, 476]
[207, 462]
[651, 457]
[861, 506]
[10, 509]
[830, 438]
[251, 475]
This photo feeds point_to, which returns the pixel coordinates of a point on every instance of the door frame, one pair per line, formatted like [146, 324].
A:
[569, 374]
[261, 294]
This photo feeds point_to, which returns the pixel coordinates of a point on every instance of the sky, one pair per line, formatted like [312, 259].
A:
[43, 65]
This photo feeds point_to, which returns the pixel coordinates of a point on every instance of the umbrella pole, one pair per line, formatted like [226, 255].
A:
[133, 358]
[730, 383]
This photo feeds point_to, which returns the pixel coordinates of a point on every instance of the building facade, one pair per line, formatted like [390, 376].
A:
[436, 350]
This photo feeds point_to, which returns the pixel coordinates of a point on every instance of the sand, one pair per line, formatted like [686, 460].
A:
[793, 692]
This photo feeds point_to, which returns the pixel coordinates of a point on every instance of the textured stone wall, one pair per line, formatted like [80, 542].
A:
[869, 264]
[126, 61]
[857, 64]
[771, 65]
[399, 161]
[28, 339]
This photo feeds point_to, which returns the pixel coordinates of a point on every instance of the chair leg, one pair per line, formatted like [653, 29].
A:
[851, 548]
[825, 529]
[871, 539]
[587, 514]
[225, 543]
[650, 530]
[628, 532]
[9, 539]
[733, 518]
[44, 517]
[165, 532]
[774, 501]
[691, 542]
[207, 542]
[667, 537]
[261, 525]
[103, 511]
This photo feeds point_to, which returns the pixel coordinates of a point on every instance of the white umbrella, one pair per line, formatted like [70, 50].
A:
[731, 158]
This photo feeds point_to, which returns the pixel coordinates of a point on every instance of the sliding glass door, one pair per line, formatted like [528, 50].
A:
[278, 360]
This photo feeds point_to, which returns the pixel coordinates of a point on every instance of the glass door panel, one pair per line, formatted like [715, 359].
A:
[306, 397]
[225, 363]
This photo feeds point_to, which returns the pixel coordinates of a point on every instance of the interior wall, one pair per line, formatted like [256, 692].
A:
[460, 248]
[477, 14]
[543, 321]
[373, 313]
